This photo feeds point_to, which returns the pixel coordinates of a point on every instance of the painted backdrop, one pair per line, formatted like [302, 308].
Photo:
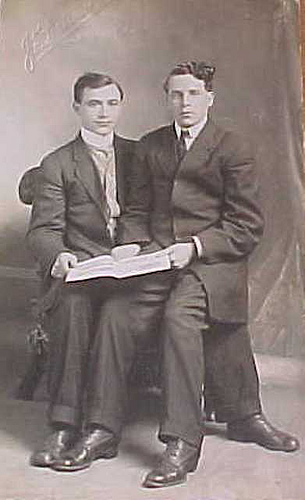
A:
[45, 46]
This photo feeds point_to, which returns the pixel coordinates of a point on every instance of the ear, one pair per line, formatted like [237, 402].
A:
[75, 106]
[211, 98]
[122, 103]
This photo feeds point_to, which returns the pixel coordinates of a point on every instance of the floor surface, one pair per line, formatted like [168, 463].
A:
[227, 470]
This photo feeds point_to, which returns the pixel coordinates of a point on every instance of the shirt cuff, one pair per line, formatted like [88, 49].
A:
[53, 269]
[56, 263]
[198, 246]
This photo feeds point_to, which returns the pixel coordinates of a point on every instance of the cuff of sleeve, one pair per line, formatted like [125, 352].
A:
[198, 246]
[53, 268]
[55, 264]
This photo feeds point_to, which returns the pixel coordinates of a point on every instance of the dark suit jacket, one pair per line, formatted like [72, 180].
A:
[213, 194]
[67, 212]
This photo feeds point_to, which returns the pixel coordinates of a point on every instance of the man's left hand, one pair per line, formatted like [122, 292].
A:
[125, 251]
[181, 254]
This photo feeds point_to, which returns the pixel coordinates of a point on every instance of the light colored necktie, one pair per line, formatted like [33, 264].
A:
[104, 160]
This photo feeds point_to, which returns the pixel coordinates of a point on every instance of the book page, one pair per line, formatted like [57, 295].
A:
[106, 266]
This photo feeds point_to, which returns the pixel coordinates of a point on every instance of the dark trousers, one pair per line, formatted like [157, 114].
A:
[124, 321]
[78, 375]
[71, 327]
[197, 351]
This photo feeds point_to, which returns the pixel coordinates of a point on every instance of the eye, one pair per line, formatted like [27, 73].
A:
[195, 92]
[175, 94]
[92, 103]
[113, 102]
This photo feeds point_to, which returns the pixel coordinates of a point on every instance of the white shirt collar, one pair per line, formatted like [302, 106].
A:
[97, 141]
[194, 131]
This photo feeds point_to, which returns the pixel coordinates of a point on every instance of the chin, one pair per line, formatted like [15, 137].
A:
[187, 120]
[103, 131]
[186, 123]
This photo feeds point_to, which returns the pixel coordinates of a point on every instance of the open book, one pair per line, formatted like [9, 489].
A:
[108, 266]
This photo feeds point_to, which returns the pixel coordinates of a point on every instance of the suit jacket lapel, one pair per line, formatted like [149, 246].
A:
[202, 147]
[119, 150]
[88, 174]
[167, 151]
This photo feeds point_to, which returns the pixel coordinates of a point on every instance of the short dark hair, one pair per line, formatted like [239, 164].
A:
[93, 81]
[199, 69]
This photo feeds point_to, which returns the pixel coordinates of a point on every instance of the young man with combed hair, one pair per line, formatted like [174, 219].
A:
[78, 201]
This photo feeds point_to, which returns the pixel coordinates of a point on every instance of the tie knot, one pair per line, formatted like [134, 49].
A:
[105, 151]
[103, 155]
[185, 133]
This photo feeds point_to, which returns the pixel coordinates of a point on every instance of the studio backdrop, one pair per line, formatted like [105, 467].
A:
[45, 46]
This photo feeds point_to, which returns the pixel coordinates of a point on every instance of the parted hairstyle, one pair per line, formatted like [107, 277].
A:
[93, 81]
[199, 69]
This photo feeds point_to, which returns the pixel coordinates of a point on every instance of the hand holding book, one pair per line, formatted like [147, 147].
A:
[124, 261]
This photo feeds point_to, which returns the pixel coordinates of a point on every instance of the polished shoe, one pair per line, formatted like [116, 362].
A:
[178, 459]
[257, 429]
[55, 445]
[96, 443]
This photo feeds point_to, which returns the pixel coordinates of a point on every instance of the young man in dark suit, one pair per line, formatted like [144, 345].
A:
[78, 200]
[201, 200]
[193, 190]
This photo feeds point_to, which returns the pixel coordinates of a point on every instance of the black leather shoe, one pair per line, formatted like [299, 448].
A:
[96, 443]
[178, 459]
[55, 445]
[257, 429]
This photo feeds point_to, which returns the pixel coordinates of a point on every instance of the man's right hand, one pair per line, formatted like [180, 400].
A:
[64, 262]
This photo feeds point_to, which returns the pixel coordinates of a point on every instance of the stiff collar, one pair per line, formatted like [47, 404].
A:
[193, 132]
[97, 141]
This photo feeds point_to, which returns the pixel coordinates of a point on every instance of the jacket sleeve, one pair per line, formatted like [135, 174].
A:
[45, 236]
[240, 225]
[135, 221]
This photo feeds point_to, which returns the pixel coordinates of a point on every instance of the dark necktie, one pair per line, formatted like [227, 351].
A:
[181, 148]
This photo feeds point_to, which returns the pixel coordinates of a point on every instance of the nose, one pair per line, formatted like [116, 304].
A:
[102, 109]
[185, 99]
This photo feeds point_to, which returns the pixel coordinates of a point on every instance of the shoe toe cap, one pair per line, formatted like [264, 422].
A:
[164, 477]
[291, 443]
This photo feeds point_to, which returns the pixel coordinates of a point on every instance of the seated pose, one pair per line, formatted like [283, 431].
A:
[79, 192]
[193, 190]
[77, 203]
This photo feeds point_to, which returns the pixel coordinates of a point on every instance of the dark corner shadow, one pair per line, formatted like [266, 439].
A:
[24, 421]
